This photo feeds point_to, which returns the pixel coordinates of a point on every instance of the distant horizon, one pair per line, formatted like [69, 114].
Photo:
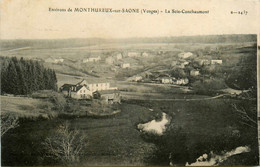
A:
[127, 38]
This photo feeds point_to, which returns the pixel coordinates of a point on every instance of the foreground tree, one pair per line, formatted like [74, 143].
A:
[246, 109]
[65, 145]
[8, 122]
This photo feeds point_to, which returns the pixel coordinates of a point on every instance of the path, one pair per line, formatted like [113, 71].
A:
[195, 99]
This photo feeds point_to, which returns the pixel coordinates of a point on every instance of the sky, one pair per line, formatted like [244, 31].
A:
[31, 19]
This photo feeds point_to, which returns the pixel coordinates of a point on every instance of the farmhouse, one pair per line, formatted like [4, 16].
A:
[96, 85]
[216, 61]
[109, 96]
[91, 59]
[76, 91]
[125, 65]
[194, 72]
[185, 55]
[84, 89]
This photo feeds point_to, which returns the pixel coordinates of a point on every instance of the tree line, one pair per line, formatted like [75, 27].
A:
[22, 77]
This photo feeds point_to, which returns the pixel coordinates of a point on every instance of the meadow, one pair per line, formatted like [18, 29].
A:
[26, 107]
[115, 140]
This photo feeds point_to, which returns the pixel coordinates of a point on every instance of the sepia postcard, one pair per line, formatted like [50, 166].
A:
[129, 83]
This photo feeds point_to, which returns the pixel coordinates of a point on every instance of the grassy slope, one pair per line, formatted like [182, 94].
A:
[115, 140]
[112, 140]
[24, 107]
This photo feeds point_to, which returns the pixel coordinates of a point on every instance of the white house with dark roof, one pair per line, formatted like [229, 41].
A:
[96, 85]
[84, 89]
[76, 91]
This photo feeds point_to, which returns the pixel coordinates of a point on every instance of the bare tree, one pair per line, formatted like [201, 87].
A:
[246, 115]
[8, 122]
[65, 145]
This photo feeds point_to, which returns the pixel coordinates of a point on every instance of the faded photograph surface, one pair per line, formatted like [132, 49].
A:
[95, 95]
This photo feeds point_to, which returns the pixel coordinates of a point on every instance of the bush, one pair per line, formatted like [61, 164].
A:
[59, 101]
[65, 145]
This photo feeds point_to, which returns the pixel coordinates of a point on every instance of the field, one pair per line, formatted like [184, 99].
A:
[25, 107]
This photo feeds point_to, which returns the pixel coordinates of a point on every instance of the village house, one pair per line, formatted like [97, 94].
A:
[136, 78]
[119, 56]
[110, 60]
[174, 63]
[54, 60]
[182, 81]
[166, 80]
[108, 96]
[76, 91]
[185, 55]
[125, 65]
[36, 59]
[206, 62]
[144, 54]
[91, 59]
[183, 64]
[194, 72]
[202, 62]
[216, 61]
[133, 54]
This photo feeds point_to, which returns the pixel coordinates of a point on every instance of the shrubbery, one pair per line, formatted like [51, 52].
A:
[208, 86]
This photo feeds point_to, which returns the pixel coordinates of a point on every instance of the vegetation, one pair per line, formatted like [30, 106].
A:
[196, 127]
[22, 77]
[65, 145]
[8, 122]
[208, 86]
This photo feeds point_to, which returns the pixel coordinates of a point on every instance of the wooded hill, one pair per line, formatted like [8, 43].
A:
[22, 77]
